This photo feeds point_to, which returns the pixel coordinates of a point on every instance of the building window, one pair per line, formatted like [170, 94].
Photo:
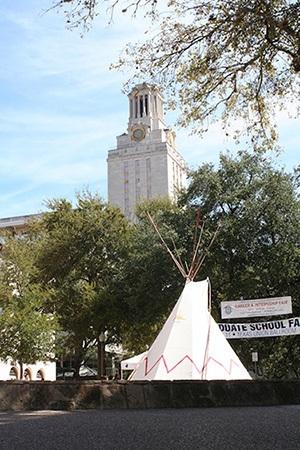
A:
[135, 107]
[173, 172]
[155, 104]
[126, 189]
[40, 375]
[146, 104]
[13, 373]
[27, 374]
[148, 177]
[137, 181]
[131, 108]
[141, 106]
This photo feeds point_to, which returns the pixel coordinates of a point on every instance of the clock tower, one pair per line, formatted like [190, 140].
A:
[145, 163]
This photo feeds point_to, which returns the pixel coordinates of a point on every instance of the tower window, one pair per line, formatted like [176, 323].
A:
[148, 177]
[136, 107]
[141, 106]
[146, 104]
[173, 171]
[126, 189]
[131, 108]
[137, 181]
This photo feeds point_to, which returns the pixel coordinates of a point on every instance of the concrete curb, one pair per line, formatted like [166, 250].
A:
[70, 395]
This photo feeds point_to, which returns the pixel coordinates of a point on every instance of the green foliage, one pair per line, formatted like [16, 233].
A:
[229, 59]
[258, 206]
[234, 59]
[281, 357]
[27, 334]
[152, 282]
[81, 257]
[257, 251]
[94, 272]
[26, 328]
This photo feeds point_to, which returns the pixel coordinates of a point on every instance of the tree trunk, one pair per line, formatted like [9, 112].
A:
[78, 357]
[21, 370]
[100, 359]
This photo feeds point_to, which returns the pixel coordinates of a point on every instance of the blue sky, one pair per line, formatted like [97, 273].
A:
[61, 108]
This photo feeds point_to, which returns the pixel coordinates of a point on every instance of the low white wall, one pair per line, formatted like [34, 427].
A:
[46, 369]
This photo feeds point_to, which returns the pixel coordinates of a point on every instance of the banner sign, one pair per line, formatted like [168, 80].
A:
[285, 327]
[254, 308]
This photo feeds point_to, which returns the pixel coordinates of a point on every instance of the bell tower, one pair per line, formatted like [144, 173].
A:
[145, 163]
[146, 107]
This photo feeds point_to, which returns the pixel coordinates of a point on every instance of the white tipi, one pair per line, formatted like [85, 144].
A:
[190, 345]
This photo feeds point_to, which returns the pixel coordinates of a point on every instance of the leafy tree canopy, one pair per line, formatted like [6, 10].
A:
[152, 282]
[257, 252]
[26, 327]
[238, 60]
[258, 205]
[81, 257]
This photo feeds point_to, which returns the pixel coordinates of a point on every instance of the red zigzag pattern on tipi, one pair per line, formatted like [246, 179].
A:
[200, 371]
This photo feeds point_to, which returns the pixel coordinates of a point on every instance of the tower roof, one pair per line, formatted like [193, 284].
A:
[145, 86]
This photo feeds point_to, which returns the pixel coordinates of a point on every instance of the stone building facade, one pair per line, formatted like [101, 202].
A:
[145, 163]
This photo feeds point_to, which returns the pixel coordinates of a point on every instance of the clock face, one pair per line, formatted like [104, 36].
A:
[138, 134]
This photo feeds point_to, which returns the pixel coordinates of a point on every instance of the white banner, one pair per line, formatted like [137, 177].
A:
[285, 327]
[254, 308]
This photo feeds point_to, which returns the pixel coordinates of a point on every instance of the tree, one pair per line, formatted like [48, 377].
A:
[255, 255]
[229, 59]
[81, 258]
[152, 282]
[27, 330]
[257, 252]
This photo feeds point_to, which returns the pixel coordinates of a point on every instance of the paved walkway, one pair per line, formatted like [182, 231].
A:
[263, 428]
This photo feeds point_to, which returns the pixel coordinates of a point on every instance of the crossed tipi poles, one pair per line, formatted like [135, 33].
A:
[190, 345]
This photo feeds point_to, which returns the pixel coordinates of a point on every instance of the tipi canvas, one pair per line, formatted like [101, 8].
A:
[190, 345]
